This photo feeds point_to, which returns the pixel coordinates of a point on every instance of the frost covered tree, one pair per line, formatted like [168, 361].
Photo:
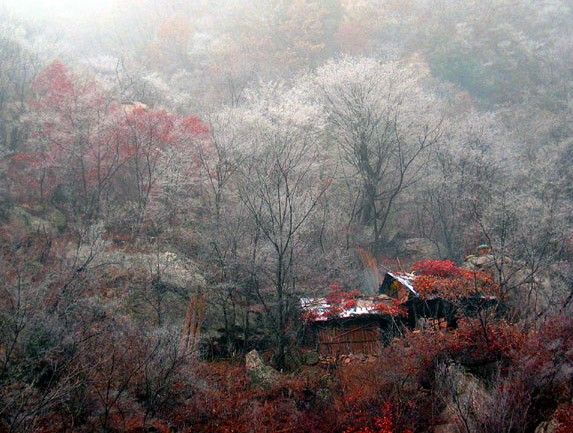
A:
[280, 185]
[382, 118]
[462, 175]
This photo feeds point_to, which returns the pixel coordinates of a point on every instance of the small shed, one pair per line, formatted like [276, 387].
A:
[435, 309]
[359, 327]
[364, 324]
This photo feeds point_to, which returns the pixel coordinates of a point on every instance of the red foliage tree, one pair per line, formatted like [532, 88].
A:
[73, 124]
[150, 140]
[382, 423]
[87, 145]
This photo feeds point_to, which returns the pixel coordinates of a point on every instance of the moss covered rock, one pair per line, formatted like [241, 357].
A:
[260, 374]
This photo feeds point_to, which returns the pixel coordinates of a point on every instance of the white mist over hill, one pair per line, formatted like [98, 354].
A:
[61, 9]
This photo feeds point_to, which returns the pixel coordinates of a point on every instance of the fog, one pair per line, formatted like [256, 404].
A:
[59, 9]
[179, 180]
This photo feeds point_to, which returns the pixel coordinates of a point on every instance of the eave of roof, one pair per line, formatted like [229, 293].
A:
[406, 280]
[365, 306]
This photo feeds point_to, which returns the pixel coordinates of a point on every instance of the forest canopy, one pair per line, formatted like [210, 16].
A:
[179, 179]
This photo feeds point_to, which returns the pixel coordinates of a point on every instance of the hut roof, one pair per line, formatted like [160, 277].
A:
[405, 279]
[319, 310]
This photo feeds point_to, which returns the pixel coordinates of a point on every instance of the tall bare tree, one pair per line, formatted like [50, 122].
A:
[281, 186]
[383, 119]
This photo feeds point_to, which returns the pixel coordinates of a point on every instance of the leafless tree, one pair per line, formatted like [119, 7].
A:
[383, 121]
[280, 186]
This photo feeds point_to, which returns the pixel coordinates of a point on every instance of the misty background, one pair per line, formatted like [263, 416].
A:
[172, 163]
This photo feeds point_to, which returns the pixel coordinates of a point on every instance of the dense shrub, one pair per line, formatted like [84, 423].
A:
[445, 279]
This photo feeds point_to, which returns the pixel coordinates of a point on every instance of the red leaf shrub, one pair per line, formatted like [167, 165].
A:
[436, 268]
[227, 403]
[382, 423]
[395, 309]
[564, 418]
[339, 300]
[480, 342]
[446, 280]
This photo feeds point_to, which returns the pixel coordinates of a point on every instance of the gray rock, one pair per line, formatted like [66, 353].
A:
[446, 428]
[253, 360]
[419, 248]
[547, 427]
[485, 262]
[260, 374]
[465, 396]
[311, 358]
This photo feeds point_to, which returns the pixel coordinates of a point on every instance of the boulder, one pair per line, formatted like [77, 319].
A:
[311, 358]
[260, 374]
[530, 293]
[465, 396]
[484, 263]
[419, 248]
[176, 271]
[547, 427]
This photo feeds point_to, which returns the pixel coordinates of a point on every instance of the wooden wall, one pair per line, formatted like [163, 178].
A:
[346, 339]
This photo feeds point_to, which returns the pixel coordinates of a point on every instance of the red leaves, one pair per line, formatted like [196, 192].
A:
[151, 131]
[310, 316]
[339, 301]
[383, 423]
[444, 279]
[228, 403]
[59, 92]
[485, 342]
[394, 309]
[73, 129]
[54, 83]
[83, 139]
[396, 395]
[194, 126]
[564, 417]
[436, 268]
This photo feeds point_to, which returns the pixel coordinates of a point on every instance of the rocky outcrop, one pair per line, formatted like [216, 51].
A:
[465, 397]
[419, 248]
[168, 268]
[547, 427]
[529, 291]
[260, 374]
[51, 223]
[484, 263]
[559, 421]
